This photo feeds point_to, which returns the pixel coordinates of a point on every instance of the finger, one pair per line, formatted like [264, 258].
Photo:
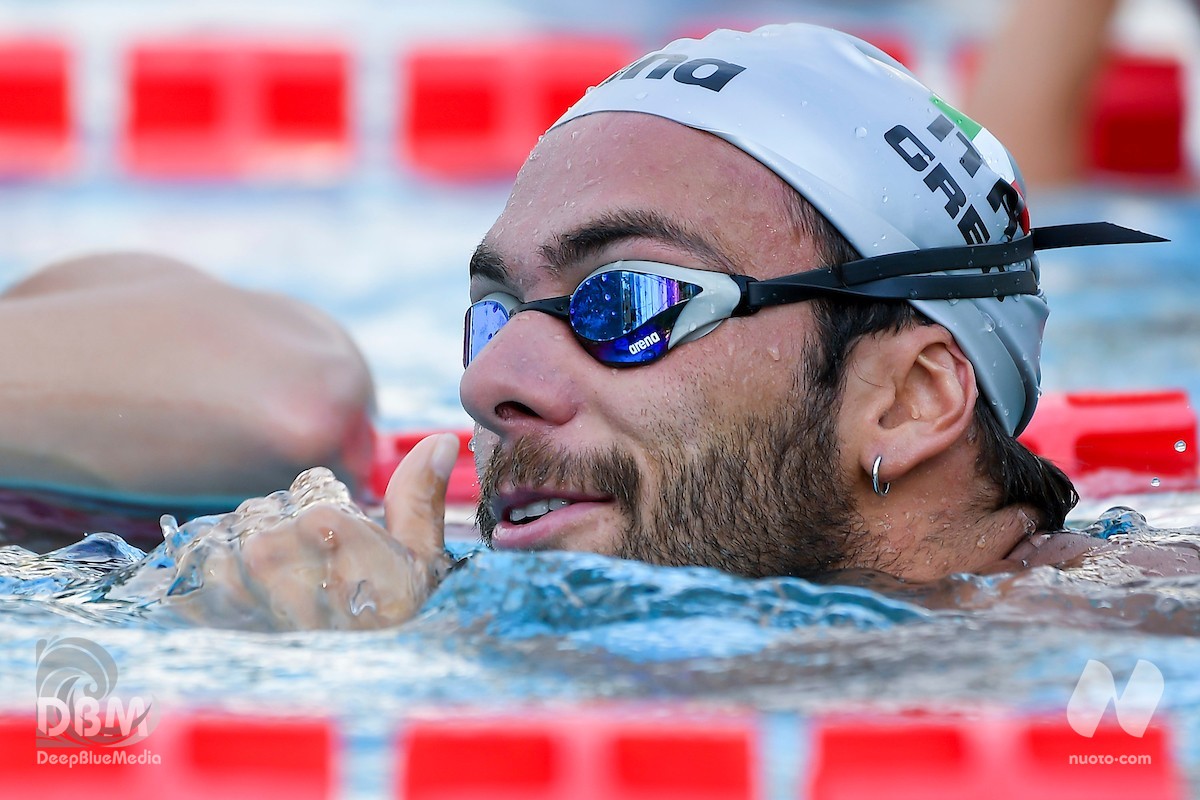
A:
[415, 501]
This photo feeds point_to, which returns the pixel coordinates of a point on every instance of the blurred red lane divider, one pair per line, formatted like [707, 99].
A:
[987, 758]
[185, 757]
[1140, 435]
[224, 108]
[390, 448]
[1135, 118]
[630, 753]
[579, 755]
[37, 128]
[473, 110]
[1129, 439]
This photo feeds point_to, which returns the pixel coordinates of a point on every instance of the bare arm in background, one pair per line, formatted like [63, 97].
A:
[1033, 83]
[139, 374]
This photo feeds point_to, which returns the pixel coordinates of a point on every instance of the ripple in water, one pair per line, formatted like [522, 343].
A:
[521, 627]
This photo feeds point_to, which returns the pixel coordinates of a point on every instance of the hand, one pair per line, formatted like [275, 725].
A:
[309, 558]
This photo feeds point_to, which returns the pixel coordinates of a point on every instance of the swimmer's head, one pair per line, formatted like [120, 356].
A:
[890, 164]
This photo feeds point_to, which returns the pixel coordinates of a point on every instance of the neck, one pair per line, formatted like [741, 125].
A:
[935, 524]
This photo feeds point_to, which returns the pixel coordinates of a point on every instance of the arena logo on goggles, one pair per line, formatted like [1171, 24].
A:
[643, 343]
[937, 177]
[711, 73]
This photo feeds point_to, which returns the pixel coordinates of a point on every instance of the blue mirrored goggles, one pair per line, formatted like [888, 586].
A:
[623, 314]
[632, 312]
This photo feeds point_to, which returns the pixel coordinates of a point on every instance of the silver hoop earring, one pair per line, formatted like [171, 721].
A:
[875, 478]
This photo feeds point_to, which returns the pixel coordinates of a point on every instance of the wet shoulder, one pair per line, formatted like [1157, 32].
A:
[1120, 538]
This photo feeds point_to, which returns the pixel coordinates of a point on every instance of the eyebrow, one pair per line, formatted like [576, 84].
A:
[574, 246]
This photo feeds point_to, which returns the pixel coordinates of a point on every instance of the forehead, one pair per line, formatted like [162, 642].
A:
[615, 163]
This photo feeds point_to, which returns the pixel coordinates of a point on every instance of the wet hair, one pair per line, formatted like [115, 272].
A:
[1020, 476]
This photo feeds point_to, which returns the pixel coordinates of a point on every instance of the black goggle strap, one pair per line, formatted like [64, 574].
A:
[559, 307]
[902, 276]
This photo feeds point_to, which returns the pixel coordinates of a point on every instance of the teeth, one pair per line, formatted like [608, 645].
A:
[537, 509]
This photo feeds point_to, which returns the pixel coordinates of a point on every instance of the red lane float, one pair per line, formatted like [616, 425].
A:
[1134, 441]
[188, 756]
[217, 108]
[232, 108]
[620, 754]
[390, 448]
[36, 125]
[987, 758]
[474, 110]
[1137, 117]
[579, 755]
[1133, 438]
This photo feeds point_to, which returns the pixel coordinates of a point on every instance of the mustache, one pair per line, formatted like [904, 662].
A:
[536, 461]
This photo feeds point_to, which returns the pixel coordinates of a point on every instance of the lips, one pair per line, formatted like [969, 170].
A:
[522, 506]
[535, 519]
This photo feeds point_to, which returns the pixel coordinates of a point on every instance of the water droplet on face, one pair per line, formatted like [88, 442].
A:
[773, 352]
[1180, 446]
[860, 132]
[471, 444]
[1155, 482]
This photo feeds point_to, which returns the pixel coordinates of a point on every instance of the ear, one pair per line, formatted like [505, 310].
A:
[909, 397]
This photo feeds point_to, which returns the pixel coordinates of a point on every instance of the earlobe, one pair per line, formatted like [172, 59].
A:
[915, 394]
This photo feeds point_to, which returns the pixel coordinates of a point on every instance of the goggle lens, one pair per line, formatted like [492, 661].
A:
[615, 304]
[484, 320]
[620, 316]
[626, 317]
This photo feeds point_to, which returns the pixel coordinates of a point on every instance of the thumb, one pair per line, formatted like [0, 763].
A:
[415, 500]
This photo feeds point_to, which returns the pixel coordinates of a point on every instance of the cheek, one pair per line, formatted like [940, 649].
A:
[746, 368]
[692, 392]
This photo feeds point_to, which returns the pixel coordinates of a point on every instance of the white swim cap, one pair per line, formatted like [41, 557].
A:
[884, 159]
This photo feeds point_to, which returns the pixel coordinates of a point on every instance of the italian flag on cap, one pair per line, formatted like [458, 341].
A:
[989, 147]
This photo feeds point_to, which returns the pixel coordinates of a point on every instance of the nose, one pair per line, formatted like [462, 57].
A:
[522, 381]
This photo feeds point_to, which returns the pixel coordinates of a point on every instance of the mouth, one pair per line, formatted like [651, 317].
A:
[521, 515]
[528, 520]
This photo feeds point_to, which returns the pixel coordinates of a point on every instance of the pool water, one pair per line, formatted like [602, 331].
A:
[546, 630]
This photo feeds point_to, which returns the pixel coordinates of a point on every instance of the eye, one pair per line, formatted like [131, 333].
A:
[612, 304]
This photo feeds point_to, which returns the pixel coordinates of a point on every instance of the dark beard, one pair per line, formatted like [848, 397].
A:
[759, 497]
[534, 461]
